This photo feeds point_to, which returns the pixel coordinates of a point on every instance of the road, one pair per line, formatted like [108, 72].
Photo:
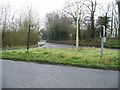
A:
[56, 45]
[33, 75]
[0, 74]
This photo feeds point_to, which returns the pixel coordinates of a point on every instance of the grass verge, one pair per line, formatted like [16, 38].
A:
[85, 57]
[110, 42]
[21, 47]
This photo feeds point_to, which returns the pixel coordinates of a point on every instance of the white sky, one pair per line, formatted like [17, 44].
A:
[39, 6]
[42, 7]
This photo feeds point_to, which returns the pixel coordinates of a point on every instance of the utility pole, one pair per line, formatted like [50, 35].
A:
[30, 26]
[77, 23]
[28, 42]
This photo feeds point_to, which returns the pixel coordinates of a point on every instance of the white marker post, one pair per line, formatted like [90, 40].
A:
[77, 22]
[103, 40]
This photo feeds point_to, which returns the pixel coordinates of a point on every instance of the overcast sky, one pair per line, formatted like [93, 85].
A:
[42, 7]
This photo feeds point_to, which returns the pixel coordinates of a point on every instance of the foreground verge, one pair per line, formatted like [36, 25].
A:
[85, 57]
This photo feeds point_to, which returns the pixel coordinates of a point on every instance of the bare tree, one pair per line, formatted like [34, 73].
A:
[5, 15]
[111, 13]
[71, 10]
[114, 20]
[91, 5]
[118, 2]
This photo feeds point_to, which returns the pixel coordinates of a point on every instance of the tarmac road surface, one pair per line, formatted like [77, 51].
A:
[16, 74]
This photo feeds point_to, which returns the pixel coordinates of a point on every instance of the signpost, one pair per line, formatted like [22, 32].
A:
[103, 40]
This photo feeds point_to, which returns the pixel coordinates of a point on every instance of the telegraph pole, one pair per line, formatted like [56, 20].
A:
[28, 42]
[77, 23]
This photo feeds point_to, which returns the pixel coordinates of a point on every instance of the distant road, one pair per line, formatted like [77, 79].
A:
[56, 45]
[17, 74]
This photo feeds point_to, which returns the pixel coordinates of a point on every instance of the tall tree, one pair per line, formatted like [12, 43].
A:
[91, 5]
[118, 2]
[16, 29]
[58, 26]
[4, 18]
[104, 21]
[71, 10]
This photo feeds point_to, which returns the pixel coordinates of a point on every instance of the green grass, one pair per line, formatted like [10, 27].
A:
[110, 42]
[85, 57]
[20, 47]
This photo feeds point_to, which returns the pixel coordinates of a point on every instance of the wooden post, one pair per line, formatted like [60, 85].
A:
[28, 42]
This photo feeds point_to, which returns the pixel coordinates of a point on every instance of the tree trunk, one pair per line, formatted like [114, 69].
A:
[92, 26]
[3, 31]
[119, 19]
[79, 32]
[112, 24]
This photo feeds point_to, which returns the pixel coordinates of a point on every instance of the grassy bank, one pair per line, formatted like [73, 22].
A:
[110, 42]
[85, 57]
[20, 47]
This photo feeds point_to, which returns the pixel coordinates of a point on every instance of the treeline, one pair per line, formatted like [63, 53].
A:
[61, 25]
[15, 27]
[23, 29]
[19, 38]
[58, 27]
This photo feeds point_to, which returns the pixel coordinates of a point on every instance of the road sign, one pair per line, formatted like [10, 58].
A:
[104, 39]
